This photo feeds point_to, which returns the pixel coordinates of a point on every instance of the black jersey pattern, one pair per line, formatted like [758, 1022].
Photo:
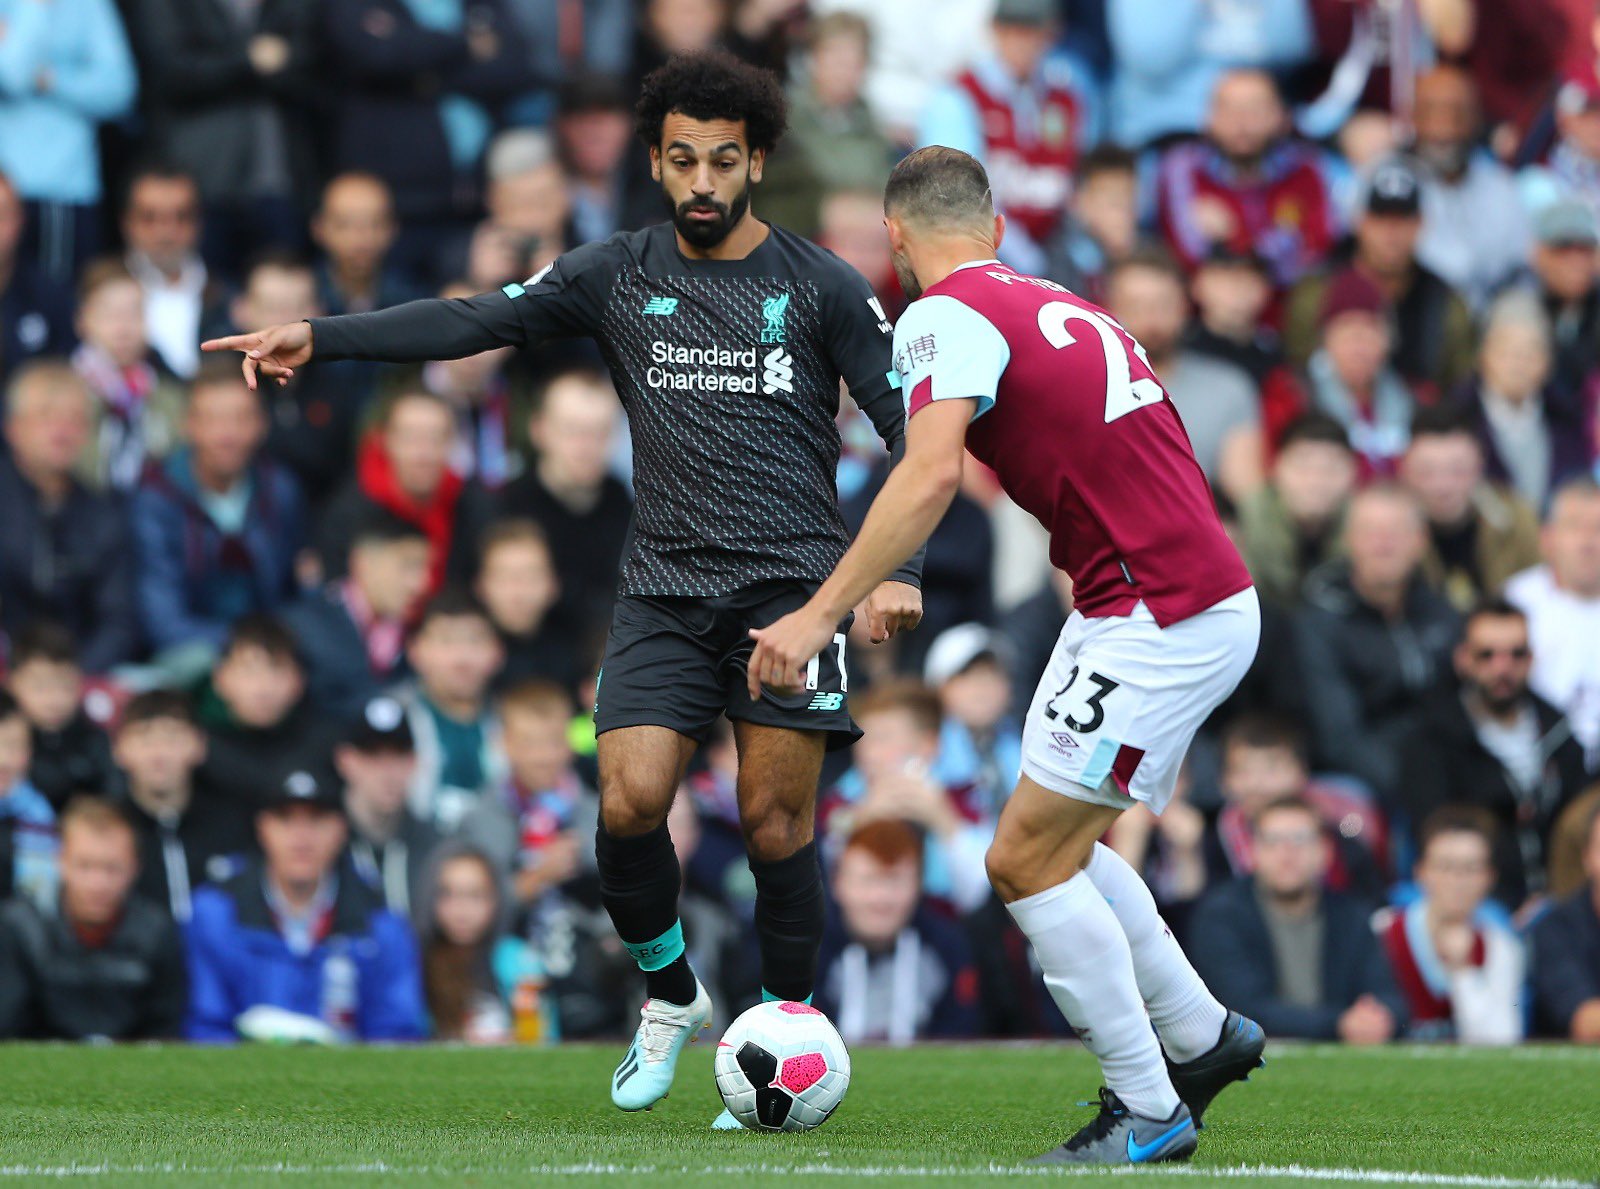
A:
[730, 375]
[731, 398]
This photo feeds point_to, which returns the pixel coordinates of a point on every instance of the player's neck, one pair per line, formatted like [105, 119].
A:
[748, 234]
[937, 261]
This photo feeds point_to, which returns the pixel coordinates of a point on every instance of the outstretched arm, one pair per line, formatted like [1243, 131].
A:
[914, 499]
[434, 328]
[568, 298]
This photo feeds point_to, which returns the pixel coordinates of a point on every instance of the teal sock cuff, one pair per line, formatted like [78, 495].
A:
[663, 951]
[768, 997]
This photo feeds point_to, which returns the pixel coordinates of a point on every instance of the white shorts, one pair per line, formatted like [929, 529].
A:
[1122, 698]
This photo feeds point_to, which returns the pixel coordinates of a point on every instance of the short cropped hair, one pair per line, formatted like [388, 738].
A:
[379, 526]
[1492, 607]
[939, 187]
[451, 603]
[44, 640]
[512, 531]
[1150, 258]
[1106, 158]
[902, 693]
[1315, 427]
[1293, 803]
[155, 704]
[1440, 421]
[1263, 731]
[96, 815]
[46, 372]
[1456, 819]
[217, 371]
[266, 633]
[537, 697]
[100, 272]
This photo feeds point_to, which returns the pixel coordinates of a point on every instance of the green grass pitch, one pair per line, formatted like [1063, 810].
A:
[933, 1115]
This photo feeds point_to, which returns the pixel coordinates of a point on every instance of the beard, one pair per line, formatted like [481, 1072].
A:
[1501, 699]
[909, 285]
[708, 233]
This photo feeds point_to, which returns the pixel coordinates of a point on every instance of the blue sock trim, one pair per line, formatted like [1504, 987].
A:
[768, 997]
[663, 951]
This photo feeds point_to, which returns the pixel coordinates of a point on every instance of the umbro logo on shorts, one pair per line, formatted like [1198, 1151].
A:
[1062, 742]
[826, 702]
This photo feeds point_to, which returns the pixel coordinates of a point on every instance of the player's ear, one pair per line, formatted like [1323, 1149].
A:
[897, 235]
[999, 229]
[758, 160]
[655, 162]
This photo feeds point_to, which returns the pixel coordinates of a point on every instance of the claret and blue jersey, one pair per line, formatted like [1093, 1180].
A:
[1077, 427]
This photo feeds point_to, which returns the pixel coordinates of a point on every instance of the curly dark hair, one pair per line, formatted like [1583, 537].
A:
[713, 85]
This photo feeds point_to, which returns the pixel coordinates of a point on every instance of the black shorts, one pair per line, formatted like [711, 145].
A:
[680, 662]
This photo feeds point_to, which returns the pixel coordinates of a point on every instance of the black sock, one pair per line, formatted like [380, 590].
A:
[790, 913]
[639, 882]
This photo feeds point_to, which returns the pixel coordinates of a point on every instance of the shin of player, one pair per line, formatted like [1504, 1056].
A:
[1060, 401]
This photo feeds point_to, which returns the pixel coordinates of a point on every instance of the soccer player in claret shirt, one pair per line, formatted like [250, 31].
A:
[1059, 400]
[727, 339]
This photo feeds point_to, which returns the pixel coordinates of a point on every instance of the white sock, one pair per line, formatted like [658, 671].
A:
[1084, 955]
[1186, 1014]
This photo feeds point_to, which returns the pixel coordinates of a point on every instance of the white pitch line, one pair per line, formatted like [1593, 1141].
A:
[595, 1169]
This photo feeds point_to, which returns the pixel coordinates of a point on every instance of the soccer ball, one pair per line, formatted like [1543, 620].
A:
[782, 1067]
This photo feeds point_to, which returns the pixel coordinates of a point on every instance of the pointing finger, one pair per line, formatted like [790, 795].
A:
[232, 342]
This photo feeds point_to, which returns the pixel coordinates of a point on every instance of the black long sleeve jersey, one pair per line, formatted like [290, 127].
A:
[729, 371]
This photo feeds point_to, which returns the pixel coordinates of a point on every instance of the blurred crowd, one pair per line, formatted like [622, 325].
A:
[293, 738]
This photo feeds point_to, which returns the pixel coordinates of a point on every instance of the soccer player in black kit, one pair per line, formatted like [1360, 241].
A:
[726, 338]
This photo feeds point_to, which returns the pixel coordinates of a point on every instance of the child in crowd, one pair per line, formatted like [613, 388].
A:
[889, 968]
[187, 834]
[138, 407]
[70, 753]
[533, 824]
[980, 742]
[1460, 969]
[1263, 761]
[518, 585]
[894, 778]
[29, 847]
[389, 847]
[482, 986]
[455, 654]
[255, 713]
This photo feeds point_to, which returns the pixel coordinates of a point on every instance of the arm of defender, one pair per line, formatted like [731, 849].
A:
[950, 359]
[913, 501]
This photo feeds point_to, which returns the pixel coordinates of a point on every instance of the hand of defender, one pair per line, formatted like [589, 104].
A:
[893, 607]
[784, 649]
[275, 352]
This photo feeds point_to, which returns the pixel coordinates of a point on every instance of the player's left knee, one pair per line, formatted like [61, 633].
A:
[1005, 872]
[776, 834]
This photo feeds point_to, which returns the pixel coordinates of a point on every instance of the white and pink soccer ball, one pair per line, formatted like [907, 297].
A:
[782, 1067]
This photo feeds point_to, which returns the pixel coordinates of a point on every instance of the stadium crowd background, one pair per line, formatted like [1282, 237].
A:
[306, 672]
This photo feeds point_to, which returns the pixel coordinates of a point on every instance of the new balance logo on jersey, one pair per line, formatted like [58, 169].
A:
[664, 306]
[777, 373]
[826, 702]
